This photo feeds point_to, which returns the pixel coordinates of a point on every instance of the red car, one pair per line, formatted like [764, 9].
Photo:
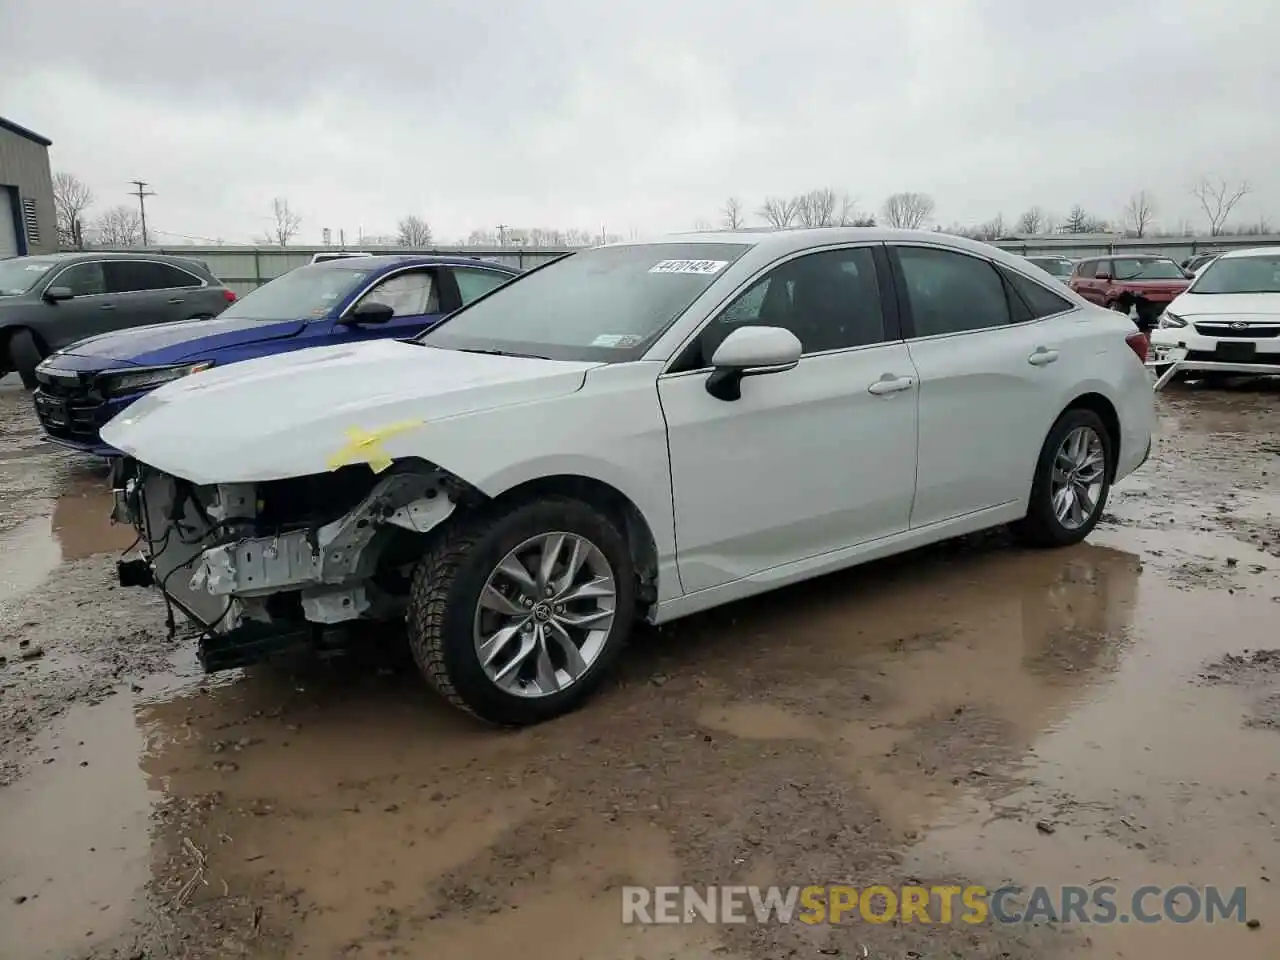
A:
[1126, 283]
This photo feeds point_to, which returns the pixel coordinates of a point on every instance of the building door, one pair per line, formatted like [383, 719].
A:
[8, 224]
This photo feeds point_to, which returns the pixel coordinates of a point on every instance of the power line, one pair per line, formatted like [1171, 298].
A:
[142, 193]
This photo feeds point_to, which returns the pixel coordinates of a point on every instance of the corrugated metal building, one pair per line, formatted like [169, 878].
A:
[27, 220]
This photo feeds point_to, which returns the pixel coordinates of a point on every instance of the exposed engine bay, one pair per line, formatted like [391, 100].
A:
[257, 567]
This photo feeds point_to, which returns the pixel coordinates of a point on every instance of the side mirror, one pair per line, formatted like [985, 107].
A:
[56, 294]
[751, 352]
[371, 311]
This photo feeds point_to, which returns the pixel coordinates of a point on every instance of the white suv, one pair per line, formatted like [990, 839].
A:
[638, 430]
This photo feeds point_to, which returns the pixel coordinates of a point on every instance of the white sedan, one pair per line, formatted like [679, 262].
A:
[1226, 323]
[638, 430]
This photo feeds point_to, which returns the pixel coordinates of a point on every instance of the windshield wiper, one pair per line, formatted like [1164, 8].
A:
[502, 353]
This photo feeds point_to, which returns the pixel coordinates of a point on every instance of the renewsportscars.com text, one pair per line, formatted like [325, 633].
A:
[838, 903]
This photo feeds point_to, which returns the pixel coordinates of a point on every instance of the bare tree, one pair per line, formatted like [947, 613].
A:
[71, 198]
[778, 212]
[118, 227]
[732, 214]
[1139, 213]
[702, 224]
[817, 208]
[1077, 220]
[1217, 199]
[414, 231]
[993, 229]
[286, 223]
[908, 211]
[1032, 221]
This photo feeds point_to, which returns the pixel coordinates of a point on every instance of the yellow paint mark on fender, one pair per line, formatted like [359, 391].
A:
[365, 446]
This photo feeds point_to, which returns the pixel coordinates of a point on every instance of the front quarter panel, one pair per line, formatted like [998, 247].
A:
[611, 431]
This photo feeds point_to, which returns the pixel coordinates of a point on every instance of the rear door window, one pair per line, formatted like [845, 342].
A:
[473, 284]
[1086, 269]
[134, 276]
[951, 292]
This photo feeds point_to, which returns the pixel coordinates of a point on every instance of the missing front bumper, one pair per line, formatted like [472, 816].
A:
[203, 550]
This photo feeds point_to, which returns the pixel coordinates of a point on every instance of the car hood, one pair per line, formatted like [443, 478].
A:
[1241, 306]
[185, 339]
[307, 412]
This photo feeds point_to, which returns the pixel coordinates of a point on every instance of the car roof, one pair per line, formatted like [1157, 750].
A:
[794, 240]
[1251, 252]
[388, 260]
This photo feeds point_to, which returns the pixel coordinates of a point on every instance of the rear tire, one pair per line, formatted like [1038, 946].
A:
[1072, 481]
[545, 648]
[25, 354]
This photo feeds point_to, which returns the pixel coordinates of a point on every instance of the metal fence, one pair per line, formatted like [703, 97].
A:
[244, 268]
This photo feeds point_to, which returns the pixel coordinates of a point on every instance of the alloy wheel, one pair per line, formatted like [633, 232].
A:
[545, 614]
[1079, 470]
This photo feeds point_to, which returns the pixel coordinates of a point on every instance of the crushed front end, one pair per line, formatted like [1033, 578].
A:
[261, 567]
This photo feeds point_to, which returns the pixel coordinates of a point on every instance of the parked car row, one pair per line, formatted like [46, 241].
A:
[87, 380]
[49, 302]
[640, 430]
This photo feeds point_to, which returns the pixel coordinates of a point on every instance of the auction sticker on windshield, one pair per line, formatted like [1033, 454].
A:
[688, 266]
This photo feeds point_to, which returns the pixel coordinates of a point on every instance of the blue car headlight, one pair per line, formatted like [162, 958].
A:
[121, 382]
[1168, 319]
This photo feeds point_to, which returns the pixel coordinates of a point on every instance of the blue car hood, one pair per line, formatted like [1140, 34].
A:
[173, 342]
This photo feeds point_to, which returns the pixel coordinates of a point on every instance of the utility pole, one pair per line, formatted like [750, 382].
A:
[142, 193]
[502, 233]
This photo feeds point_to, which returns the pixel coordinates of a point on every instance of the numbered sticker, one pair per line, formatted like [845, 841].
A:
[689, 266]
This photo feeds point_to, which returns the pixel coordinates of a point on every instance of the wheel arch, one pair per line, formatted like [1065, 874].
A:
[607, 498]
[1106, 412]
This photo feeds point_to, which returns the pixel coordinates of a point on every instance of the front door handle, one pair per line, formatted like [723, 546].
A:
[176, 300]
[890, 384]
[107, 306]
[1042, 357]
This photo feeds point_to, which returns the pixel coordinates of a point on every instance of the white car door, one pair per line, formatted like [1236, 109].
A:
[993, 349]
[808, 460]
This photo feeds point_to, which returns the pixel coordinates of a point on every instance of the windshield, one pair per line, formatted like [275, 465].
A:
[606, 304]
[307, 293]
[1052, 265]
[1240, 275]
[20, 274]
[1148, 270]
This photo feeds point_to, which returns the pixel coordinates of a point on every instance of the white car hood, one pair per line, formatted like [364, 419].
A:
[295, 414]
[1229, 306]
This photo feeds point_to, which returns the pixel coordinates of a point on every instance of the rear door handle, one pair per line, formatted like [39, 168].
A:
[176, 300]
[1042, 357]
[890, 384]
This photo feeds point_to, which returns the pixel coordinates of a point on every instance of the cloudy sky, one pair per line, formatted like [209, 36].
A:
[641, 116]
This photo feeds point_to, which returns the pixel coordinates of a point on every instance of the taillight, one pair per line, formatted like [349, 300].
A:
[1139, 343]
[229, 296]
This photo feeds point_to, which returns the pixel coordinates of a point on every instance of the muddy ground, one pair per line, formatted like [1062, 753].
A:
[973, 713]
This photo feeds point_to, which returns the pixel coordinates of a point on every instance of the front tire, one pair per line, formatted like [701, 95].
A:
[25, 353]
[517, 617]
[1072, 481]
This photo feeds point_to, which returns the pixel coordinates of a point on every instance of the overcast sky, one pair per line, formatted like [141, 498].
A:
[641, 116]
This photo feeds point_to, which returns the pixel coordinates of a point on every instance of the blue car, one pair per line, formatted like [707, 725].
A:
[82, 386]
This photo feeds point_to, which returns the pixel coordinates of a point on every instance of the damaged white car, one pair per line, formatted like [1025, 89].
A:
[642, 430]
[1226, 324]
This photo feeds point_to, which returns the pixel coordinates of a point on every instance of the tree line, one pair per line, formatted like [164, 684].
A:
[1217, 198]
